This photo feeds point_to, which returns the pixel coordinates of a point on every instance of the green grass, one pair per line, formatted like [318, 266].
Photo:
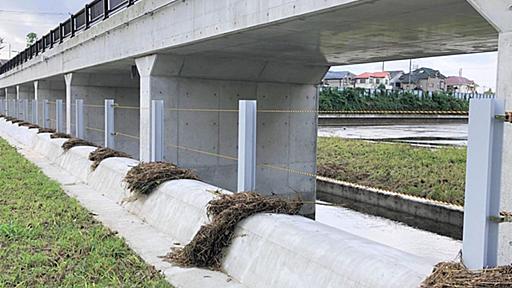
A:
[48, 240]
[437, 174]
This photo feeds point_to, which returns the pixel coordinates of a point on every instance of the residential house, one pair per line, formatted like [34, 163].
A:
[425, 79]
[395, 79]
[339, 79]
[460, 84]
[373, 80]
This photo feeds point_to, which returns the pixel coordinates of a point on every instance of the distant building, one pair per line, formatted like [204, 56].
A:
[425, 79]
[339, 79]
[394, 81]
[460, 84]
[373, 80]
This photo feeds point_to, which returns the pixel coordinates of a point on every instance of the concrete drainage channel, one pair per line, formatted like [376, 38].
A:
[275, 250]
[441, 218]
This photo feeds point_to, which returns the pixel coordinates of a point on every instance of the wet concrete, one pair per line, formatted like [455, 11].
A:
[423, 135]
[431, 246]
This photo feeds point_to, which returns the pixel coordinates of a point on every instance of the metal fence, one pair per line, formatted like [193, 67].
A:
[94, 12]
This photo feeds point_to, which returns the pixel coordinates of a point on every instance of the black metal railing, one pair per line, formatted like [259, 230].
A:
[94, 12]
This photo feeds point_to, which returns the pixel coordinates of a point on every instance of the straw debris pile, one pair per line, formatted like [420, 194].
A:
[146, 177]
[455, 274]
[74, 142]
[101, 154]
[206, 250]
[46, 130]
[58, 135]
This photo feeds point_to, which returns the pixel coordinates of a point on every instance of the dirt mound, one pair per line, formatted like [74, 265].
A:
[455, 274]
[46, 130]
[74, 142]
[58, 135]
[206, 250]
[101, 154]
[146, 177]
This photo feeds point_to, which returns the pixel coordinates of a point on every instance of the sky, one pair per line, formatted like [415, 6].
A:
[20, 17]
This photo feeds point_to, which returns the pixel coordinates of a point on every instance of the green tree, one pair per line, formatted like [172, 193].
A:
[31, 38]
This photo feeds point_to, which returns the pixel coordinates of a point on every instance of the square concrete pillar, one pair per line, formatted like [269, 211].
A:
[499, 15]
[201, 96]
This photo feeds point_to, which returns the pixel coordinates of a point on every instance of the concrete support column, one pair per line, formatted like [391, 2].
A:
[504, 91]
[69, 101]
[499, 15]
[201, 96]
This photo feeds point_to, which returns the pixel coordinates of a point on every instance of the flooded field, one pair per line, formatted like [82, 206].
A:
[429, 135]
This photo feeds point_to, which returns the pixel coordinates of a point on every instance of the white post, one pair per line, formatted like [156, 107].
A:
[34, 111]
[79, 118]
[109, 123]
[482, 197]
[59, 115]
[46, 113]
[157, 130]
[25, 110]
[247, 146]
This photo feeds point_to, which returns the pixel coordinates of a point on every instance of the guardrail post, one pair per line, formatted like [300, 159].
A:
[247, 146]
[157, 130]
[79, 118]
[109, 123]
[59, 115]
[46, 114]
[34, 111]
[482, 196]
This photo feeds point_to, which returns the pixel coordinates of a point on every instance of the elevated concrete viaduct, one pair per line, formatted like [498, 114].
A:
[202, 56]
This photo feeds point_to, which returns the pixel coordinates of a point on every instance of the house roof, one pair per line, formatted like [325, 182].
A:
[335, 75]
[457, 80]
[421, 74]
[367, 75]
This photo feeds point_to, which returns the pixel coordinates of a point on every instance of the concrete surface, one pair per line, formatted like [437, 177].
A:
[303, 263]
[440, 218]
[446, 134]
[434, 247]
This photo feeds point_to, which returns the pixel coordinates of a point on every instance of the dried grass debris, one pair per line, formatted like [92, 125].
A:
[146, 177]
[74, 142]
[17, 121]
[103, 153]
[455, 274]
[24, 124]
[206, 250]
[59, 135]
[46, 130]
[9, 118]
[33, 126]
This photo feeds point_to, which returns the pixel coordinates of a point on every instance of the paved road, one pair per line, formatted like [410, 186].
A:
[441, 134]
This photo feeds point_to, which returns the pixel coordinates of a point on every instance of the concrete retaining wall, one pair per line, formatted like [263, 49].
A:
[268, 250]
[438, 217]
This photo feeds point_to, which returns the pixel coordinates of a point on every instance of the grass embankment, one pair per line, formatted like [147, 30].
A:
[437, 174]
[48, 240]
